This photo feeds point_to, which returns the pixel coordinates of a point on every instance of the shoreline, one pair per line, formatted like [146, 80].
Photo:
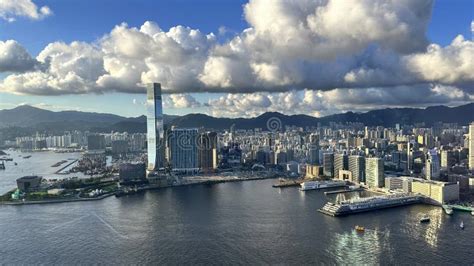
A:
[149, 187]
[16, 203]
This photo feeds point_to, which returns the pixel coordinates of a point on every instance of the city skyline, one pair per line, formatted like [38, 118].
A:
[255, 132]
[272, 87]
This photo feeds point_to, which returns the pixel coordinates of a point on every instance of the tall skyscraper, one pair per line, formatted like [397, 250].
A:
[184, 150]
[357, 167]
[374, 175]
[155, 131]
[471, 146]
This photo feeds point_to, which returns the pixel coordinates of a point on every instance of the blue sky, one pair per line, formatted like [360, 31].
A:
[80, 20]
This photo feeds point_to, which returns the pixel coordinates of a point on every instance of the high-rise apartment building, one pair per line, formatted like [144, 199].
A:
[341, 162]
[155, 131]
[432, 166]
[328, 164]
[374, 175]
[313, 156]
[95, 142]
[207, 150]
[357, 167]
[445, 159]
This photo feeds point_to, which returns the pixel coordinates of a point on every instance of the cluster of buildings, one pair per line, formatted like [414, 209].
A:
[433, 157]
[437, 161]
[116, 143]
[181, 150]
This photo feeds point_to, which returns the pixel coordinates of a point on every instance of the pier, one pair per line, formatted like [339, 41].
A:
[288, 183]
[66, 166]
[343, 191]
[449, 208]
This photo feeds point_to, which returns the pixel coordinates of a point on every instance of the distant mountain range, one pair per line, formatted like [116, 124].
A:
[40, 119]
[43, 120]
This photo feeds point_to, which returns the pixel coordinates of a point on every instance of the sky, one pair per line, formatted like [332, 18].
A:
[235, 58]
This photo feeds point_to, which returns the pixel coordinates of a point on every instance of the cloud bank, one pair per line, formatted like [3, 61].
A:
[321, 103]
[334, 48]
[11, 9]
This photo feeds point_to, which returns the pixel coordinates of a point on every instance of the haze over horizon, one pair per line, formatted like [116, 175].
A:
[239, 58]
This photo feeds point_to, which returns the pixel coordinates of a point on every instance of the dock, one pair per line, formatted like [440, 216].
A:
[288, 183]
[459, 208]
[343, 191]
[66, 166]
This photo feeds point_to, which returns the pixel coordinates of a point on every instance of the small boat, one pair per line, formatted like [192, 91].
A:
[461, 225]
[425, 219]
[359, 228]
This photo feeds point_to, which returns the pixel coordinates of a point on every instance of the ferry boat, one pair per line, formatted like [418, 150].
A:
[312, 185]
[425, 219]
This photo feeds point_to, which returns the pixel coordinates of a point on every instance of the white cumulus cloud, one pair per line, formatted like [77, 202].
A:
[178, 101]
[11, 9]
[15, 58]
[366, 49]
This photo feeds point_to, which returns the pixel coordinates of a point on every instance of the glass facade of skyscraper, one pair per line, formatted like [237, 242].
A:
[155, 131]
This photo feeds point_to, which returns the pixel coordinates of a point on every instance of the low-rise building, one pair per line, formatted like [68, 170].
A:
[440, 192]
[345, 175]
[399, 183]
[129, 171]
[29, 183]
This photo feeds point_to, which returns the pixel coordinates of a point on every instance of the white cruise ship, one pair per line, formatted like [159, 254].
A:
[310, 185]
